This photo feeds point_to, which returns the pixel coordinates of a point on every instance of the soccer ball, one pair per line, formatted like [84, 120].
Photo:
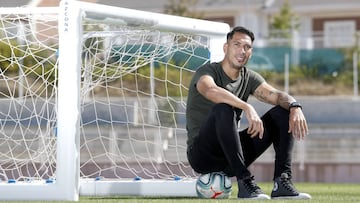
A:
[215, 185]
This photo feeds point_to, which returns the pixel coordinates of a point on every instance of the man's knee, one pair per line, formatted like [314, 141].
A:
[223, 108]
[279, 111]
[278, 115]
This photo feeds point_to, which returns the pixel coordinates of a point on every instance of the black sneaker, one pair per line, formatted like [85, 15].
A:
[249, 190]
[285, 189]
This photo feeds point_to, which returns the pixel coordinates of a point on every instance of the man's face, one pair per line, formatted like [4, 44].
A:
[238, 50]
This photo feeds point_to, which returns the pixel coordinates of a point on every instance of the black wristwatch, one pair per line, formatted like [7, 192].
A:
[295, 104]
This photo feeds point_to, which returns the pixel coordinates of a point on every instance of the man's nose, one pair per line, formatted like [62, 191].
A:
[242, 50]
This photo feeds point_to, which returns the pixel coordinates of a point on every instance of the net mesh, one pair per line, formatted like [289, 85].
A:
[133, 95]
[27, 96]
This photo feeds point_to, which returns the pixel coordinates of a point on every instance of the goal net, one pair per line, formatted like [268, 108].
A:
[93, 100]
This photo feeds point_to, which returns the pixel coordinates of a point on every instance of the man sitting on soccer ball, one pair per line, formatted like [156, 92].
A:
[218, 95]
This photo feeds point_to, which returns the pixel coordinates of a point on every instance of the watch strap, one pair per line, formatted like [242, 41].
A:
[295, 104]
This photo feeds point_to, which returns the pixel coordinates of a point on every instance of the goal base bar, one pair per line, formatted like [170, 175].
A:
[35, 191]
[152, 188]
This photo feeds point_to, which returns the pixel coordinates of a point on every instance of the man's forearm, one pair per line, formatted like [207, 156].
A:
[284, 99]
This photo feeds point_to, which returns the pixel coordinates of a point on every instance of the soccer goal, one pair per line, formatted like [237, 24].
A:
[93, 100]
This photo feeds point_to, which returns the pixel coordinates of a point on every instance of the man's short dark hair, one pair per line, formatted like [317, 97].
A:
[241, 30]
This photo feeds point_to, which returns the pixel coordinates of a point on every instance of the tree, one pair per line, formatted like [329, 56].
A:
[185, 8]
[284, 22]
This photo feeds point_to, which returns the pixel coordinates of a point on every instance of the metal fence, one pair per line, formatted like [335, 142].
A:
[331, 61]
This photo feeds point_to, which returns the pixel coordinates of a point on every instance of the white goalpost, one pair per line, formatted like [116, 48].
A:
[93, 100]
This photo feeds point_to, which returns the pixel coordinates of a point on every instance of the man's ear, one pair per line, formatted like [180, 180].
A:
[225, 46]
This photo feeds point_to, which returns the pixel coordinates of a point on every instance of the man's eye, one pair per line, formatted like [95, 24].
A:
[247, 47]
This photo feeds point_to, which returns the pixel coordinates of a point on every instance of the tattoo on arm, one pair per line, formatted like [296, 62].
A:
[260, 95]
[284, 99]
[265, 96]
[275, 97]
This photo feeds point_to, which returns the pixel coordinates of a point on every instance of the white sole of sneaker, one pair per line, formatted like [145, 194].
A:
[261, 196]
[300, 196]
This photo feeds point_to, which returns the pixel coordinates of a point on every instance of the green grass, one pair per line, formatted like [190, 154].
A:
[320, 192]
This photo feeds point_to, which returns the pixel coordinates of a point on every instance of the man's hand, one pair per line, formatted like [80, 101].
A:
[255, 123]
[297, 124]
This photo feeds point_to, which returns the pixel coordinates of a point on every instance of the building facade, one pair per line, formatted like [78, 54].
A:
[323, 23]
